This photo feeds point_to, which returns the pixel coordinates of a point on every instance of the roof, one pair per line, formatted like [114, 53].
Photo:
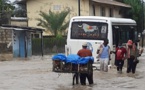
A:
[111, 2]
[19, 18]
[21, 28]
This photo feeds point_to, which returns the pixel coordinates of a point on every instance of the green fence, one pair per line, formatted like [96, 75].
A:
[50, 45]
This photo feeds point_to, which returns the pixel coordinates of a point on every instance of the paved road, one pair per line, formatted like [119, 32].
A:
[36, 73]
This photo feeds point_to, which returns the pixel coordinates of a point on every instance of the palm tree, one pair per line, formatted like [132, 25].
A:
[54, 21]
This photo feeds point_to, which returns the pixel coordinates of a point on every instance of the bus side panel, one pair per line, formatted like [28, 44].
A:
[110, 38]
[76, 45]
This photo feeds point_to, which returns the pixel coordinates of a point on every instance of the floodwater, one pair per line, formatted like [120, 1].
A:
[36, 73]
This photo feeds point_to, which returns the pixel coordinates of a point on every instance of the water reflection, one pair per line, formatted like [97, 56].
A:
[75, 87]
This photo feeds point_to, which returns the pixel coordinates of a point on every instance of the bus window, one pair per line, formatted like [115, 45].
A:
[115, 35]
[89, 30]
[136, 35]
[122, 33]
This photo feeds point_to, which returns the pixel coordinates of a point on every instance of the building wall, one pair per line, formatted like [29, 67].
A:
[107, 7]
[97, 10]
[35, 6]
[6, 35]
[116, 12]
[18, 23]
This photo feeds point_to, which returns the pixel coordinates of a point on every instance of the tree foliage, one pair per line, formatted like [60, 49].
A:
[20, 11]
[6, 5]
[6, 8]
[136, 8]
[135, 12]
[54, 21]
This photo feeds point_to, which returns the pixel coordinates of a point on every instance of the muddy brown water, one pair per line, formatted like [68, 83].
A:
[35, 73]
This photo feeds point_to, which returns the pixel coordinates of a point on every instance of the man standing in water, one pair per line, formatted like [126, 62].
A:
[132, 53]
[104, 55]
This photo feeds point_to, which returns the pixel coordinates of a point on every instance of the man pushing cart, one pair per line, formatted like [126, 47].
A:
[80, 64]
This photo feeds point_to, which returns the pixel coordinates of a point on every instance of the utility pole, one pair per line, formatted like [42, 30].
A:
[79, 13]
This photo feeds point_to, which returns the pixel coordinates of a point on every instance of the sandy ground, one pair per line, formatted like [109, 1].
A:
[35, 73]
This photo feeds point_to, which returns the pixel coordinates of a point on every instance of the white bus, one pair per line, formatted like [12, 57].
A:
[93, 29]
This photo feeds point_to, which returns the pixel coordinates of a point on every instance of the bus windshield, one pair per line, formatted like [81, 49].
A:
[89, 30]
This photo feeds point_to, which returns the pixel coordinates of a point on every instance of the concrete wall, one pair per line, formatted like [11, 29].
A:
[19, 23]
[5, 36]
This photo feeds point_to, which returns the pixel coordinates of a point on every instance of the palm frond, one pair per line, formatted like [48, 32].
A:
[44, 24]
[53, 21]
[65, 26]
[61, 18]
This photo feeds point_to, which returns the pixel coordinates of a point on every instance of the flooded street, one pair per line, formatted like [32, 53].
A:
[36, 74]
